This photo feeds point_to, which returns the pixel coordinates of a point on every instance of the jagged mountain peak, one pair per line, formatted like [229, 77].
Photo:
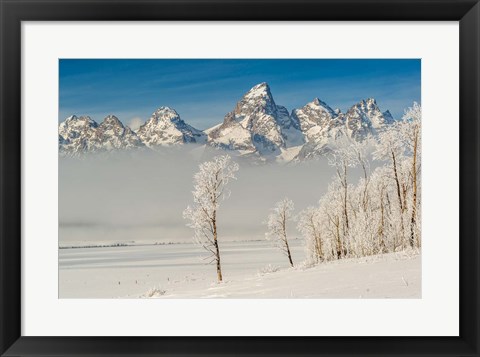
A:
[75, 126]
[111, 134]
[259, 90]
[317, 104]
[258, 113]
[165, 127]
[79, 120]
[365, 118]
[165, 110]
[71, 118]
[367, 105]
[78, 135]
[318, 121]
[317, 101]
[165, 113]
[112, 120]
[258, 99]
[257, 126]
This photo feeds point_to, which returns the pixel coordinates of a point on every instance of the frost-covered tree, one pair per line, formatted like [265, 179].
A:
[411, 130]
[341, 158]
[380, 204]
[209, 190]
[379, 213]
[348, 153]
[390, 147]
[277, 226]
[331, 208]
[401, 145]
[309, 225]
[361, 150]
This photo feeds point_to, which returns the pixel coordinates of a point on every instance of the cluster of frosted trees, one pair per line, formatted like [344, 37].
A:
[378, 214]
[381, 212]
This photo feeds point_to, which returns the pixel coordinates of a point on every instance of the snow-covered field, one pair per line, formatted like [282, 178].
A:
[251, 269]
[122, 234]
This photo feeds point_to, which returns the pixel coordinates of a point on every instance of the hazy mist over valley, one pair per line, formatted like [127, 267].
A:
[139, 197]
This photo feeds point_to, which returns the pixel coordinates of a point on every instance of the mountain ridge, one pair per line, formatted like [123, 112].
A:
[257, 126]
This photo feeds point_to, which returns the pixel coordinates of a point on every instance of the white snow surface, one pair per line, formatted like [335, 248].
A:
[251, 269]
[233, 137]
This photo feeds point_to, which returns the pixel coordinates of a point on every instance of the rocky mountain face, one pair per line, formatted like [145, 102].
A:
[365, 118]
[318, 121]
[257, 126]
[231, 135]
[111, 134]
[320, 124]
[165, 128]
[78, 135]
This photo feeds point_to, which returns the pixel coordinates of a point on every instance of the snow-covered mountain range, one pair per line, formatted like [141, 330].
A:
[256, 127]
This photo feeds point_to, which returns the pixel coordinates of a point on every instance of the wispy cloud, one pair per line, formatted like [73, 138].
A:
[135, 123]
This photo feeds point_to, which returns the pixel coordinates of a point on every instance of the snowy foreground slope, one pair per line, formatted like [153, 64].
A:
[251, 270]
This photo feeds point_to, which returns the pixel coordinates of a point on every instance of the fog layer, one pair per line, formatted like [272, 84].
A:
[140, 198]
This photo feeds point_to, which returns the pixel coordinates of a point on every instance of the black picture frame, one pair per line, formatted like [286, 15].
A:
[13, 12]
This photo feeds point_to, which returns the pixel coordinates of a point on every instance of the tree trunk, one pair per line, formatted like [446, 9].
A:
[414, 199]
[365, 189]
[284, 228]
[215, 242]
[318, 241]
[397, 181]
[339, 242]
[289, 255]
[319, 249]
[402, 206]
[345, 195]
[381, 230]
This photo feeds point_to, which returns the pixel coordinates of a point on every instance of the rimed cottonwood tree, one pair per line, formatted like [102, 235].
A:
[277, 226]
[410, 130]
[348, 153]
[209, 190]
[390, 147]
[309, 225]
[382, 209]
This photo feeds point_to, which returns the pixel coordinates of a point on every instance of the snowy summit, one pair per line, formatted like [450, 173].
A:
[256, 127]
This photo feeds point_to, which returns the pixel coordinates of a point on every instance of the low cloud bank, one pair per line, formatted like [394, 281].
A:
[141, 197]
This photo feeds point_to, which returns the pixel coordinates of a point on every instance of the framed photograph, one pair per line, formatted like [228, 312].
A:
[248, 178]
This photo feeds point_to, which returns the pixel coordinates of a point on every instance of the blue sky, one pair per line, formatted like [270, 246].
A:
[203, 91]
